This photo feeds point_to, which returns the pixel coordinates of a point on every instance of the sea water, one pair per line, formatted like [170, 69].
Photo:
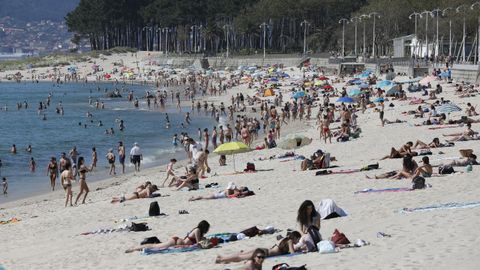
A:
[60, 133]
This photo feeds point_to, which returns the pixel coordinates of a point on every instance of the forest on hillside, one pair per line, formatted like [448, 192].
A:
[208, 26]
[36, 10]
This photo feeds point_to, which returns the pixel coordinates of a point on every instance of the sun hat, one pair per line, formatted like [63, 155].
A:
[231, 185]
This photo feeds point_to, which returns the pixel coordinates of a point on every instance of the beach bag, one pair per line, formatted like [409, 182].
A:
[445, 169]
[154, 209]
[323, 172]
[418, 182]
[250, 167]
[284, 266]
[370, 167]
[313, 238]
[150, 240]
[251, 232]
[139, 227]
[339, 238]
[325, 247]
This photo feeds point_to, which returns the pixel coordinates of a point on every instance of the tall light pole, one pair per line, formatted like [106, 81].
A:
[264, 25]
[437, 46]
[426, 14]
[227, 27]
[449, 31]
[459, 9]
[355, 20]
[343, 21]
[166, 30]
[374, 15]
[415, 15]
[364, 17]
[306, 24]
[194, 33]
[478, 35]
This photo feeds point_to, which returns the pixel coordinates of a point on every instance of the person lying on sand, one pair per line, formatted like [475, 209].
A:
[144, 193]
[467, 135]
[256, 261]
[193, 237]
[283, 247]
[408, 169]
[403, 151]
[470, 160]
[230, 192]
[434, 144]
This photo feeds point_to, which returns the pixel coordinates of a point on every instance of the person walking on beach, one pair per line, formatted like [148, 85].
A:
[111, 160]
[170, 170]
[94, 158]
[66, 179]
[5, 186]
[136, 156]
[82, 170]
[382, 112]
[52, 170]
[121, 155]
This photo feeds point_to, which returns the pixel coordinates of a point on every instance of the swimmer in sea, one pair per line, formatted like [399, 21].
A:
[175, 140]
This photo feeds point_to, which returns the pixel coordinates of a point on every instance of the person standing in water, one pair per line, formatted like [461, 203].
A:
[32, 165]
[111, 160]
[52, 170]
[5, 186]
[94, 158]
[121, 155]
[82, 170]
[136, 156]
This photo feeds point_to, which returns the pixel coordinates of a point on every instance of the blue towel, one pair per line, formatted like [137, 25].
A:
[452, 205]
[150, 251]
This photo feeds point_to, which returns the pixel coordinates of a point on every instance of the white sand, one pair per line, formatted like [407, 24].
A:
[47, 237]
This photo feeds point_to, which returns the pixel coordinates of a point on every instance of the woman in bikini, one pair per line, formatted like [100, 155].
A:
[144, 193]
[283, 247]
[192, 238]
[425, 170]
[66, 180]
[307, 216]
[52, 170]
[82, 170]
[434, 144]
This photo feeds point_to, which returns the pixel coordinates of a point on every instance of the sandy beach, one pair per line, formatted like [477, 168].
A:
[48, 235]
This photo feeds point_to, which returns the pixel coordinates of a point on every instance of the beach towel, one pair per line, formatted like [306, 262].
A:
[123, 228]
[452, 205]
[326, 172]
[226, 237]
[327, 207]
[371, 190]
[443, 127]
[8, 221]
[137, 218]
[176, 249]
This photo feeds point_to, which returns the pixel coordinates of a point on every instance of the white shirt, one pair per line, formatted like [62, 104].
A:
[194, 148]
[135, 151]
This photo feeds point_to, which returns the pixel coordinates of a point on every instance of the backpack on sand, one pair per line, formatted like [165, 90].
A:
[418, 182]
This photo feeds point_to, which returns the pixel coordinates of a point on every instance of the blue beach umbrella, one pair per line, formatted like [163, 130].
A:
[354, 92]
[298, 94]
[448, 108]
[384, 83]
[378, 99]
[363, 85]
[345, 100]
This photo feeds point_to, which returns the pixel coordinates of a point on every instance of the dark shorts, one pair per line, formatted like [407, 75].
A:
[136, 159]
[121, 159]
[381, 115]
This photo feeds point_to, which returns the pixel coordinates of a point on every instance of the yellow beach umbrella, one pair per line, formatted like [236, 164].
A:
[232, 148]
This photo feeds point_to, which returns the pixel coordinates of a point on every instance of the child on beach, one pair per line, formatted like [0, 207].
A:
[5, 186]
[170, 170]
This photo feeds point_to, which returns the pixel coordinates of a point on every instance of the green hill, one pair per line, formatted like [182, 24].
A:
[34, 10]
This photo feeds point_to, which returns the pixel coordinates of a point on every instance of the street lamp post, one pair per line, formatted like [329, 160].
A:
[437, 47]
[415, 15]
[166, 30]
[364, 18]
[449, 31]
[306, 23]
[227, 27]
[264, 25]
[343, 21]
[194, 34]
[458, 9]
[355, 20]
[426, 13]
[478, 35]
[375, 15]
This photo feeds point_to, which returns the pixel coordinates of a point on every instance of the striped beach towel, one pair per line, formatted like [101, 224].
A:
[371, 190]
[452, 205]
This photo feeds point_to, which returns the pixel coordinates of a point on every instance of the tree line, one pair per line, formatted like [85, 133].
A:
[279, 26]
